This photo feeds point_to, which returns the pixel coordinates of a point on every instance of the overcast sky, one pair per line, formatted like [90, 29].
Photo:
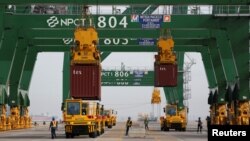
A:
[46, 87]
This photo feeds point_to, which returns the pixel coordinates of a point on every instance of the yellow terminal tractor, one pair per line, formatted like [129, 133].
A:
[174, 119]
[110, 118]
[83, 118]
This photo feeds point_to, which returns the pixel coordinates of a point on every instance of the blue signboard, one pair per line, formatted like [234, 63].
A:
[138, 73]
[156, 19]
[151, 21]
[151, 25]
[146, 41]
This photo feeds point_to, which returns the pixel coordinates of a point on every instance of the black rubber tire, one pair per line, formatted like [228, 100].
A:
[93, 134]
[166, 129]
[67, 135]
[102, 131]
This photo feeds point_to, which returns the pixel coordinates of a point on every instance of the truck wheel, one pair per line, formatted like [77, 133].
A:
[67, 135]
[162, 128]
[109, 126]
[166, 129]
[98, 133]
[102, 130]
[92, 135]
[183, 129]
[72, 135]
[114, 124]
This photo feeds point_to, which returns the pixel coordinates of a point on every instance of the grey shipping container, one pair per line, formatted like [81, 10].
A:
[85, 82]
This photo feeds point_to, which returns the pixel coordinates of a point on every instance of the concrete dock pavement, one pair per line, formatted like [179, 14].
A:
[117, 133]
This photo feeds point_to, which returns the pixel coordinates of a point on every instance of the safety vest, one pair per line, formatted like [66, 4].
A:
[53, 123]
[129, 123]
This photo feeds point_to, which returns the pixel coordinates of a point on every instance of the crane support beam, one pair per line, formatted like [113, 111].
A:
[1, 23]
[207, 62]
[128, 2]
[70, 21]
[28, 69]
[115, 42]
[15, 97]
[3, 95]
[180, 59]
[7, 50]
[66, 76]
[48, 33]
[133, 48]
[227, 57]
[219, 73]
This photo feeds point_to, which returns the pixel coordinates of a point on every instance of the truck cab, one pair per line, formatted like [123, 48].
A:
[174, 118]
[110, 119]
[82, 118]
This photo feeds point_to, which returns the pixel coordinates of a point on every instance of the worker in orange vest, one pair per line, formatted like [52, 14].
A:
[53, 128]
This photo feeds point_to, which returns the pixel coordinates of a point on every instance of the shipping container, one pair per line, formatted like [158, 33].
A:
[165, 75]
[85, 82]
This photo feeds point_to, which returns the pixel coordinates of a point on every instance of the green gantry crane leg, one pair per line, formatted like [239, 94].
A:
[7, 50]
[227, 58]
[169, 94]
[3, 79]
[180, 58]
[3, 94]
[238, 105]
[24, 83]
[16, 97]
[207, 62]
[66, 78]
[218, 107]
[209, 69]
[28, 68]
[211, 77]
[174, 95]
[1, 23]
[240, 49]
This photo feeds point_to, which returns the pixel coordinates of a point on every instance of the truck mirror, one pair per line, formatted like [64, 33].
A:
[164, 110]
